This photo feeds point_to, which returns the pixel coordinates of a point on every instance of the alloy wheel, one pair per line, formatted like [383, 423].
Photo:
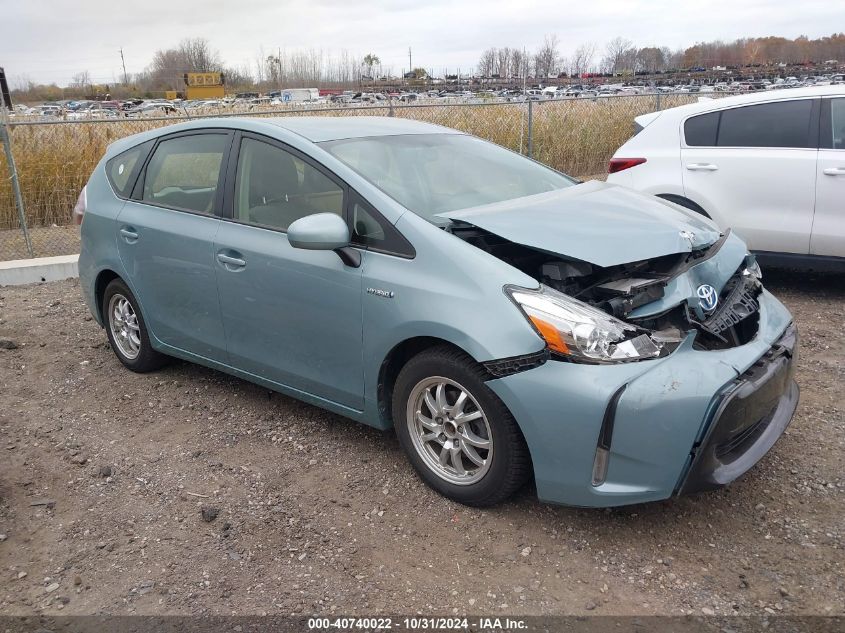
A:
[125, 330]
[449, 430]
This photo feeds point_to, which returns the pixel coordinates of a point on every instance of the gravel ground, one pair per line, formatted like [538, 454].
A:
[190, 492]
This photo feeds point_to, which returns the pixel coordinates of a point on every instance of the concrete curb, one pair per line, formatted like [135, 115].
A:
[29, 271]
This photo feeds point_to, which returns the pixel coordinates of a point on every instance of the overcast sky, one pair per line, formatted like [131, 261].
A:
[51, 40]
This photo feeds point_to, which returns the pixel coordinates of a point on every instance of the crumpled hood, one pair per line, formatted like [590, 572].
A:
[595, 222]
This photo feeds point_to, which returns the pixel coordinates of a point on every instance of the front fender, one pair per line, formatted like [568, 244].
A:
[450, 291]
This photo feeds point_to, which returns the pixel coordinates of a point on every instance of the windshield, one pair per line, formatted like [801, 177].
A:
[436, 173]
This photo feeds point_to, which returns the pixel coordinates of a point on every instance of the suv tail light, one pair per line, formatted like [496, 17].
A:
[80, 206]
[618, 164]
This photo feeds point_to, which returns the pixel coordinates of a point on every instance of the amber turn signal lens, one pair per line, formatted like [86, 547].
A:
[550, 334]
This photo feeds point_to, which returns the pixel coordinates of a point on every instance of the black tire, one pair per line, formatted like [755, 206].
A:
[147, 358]
[510, 467]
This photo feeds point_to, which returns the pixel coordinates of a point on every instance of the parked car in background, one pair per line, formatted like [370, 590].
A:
[770, 165]
[48, 110]
[152, 108]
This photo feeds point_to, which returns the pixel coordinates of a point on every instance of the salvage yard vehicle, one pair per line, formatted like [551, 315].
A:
[506, 321]
[771, 165]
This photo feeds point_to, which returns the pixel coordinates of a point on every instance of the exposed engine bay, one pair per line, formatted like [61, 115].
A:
[620, 290]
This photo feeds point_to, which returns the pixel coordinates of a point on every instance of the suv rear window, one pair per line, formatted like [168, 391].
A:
[123, 168]
[782, 124]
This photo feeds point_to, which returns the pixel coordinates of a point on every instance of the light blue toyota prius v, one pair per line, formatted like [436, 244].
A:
[509, 322]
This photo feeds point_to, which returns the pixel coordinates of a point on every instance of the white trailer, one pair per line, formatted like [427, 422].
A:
[294, 95]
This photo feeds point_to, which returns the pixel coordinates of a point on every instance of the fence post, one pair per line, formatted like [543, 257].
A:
[657, 99]
[390, 106]
[530, 128]
[6, 140]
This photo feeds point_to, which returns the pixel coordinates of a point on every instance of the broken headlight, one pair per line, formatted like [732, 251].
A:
[581, 332]
[752, 268]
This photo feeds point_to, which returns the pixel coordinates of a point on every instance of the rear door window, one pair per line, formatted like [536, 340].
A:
[184, 172]
[781, 124]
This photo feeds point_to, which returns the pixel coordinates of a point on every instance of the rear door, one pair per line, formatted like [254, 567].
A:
[753, 169]
[829, 226]
[165, 237]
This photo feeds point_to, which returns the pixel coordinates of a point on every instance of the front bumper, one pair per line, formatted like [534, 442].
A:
[751, 416]
[691, 421]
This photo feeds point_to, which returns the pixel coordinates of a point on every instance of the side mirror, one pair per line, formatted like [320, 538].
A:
[319, 232]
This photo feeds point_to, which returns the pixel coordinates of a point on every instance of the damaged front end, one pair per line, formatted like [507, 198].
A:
[633, 311]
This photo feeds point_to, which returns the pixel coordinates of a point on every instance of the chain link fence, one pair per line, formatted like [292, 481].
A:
[54, 159]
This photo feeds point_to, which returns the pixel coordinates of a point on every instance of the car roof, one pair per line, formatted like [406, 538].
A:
[310, 129]
[710, 104]
[328, 128]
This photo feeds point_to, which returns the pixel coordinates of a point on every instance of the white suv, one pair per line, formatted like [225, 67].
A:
[771, 166]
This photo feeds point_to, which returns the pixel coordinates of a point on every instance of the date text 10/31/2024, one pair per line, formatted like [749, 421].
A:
[418, 623]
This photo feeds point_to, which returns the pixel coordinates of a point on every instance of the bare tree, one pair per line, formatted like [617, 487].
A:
[582, 58]
[23, 83]
[503, 61]
[614, 53]
[198, 56]
[649, 59]
[190, 55]
[487, 63]
[519, 64]
[80, 81]
[546, 58]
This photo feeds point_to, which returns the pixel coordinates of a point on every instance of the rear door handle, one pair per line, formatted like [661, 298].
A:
[229, 262]
[129, 234]
[702, 167]
[834, 171]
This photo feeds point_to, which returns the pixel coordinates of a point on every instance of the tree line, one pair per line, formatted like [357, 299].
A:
[313, 67]
[621, 56]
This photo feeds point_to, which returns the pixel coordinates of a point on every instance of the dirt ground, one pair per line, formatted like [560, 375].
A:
[110, 482]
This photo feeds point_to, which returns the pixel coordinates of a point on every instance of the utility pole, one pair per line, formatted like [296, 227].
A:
[123, 61]
[279, 59]
[410, 64]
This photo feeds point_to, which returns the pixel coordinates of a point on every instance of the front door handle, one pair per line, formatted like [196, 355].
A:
[834, 171]
[702, 167]
[229, 262]
[129, 234]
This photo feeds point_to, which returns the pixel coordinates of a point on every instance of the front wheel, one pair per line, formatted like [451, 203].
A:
[457, 433]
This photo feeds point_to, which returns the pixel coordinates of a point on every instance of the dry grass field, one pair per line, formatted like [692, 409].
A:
[576, 136]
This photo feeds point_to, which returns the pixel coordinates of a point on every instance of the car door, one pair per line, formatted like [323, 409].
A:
[165, 237]
[291, 316]
[753, 169]
[828, 237]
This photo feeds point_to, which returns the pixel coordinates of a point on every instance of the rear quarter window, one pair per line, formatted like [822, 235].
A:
[700, 131]
[122, 170]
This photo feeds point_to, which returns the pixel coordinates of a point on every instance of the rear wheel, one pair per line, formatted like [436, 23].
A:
[457, 433]
[126, 329]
